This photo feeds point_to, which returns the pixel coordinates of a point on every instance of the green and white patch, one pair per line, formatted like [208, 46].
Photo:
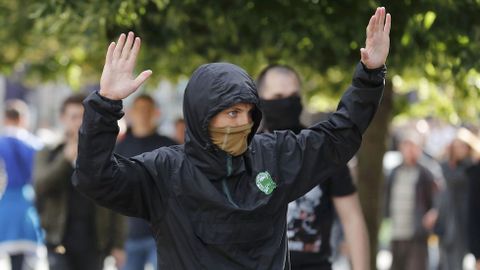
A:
[265, 183]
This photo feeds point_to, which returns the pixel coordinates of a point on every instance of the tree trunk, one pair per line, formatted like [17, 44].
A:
[370, 169]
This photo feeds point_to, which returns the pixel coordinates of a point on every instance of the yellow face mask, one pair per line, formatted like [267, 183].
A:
[232, 140]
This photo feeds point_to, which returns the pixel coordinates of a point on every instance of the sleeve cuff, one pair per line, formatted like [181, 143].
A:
[369, 77]
[108, 108]
[114, 105]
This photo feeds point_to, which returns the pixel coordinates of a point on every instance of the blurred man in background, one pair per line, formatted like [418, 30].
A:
[451, 225]
[141, 137]
[410, 194]
[310, 218]
[79, 235]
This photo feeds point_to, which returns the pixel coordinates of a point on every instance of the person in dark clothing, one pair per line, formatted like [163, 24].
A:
[451, 223]
[79, 234]
[473, 174]
[220, 200]
[310, 218]
[141, 137]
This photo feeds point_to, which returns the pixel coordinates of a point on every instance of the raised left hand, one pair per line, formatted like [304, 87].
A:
[377, 44]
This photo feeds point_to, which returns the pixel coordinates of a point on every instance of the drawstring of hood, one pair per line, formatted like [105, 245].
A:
[225, 188]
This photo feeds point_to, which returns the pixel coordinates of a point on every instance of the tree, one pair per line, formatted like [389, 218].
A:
[434, 50]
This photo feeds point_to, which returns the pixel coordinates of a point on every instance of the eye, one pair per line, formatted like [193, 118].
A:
[232, 114]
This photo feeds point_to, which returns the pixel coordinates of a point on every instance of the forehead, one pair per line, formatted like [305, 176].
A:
[457, 142]
[241, 106]
[73, 107]
[143, 102]
[409, 143]
[280, 83]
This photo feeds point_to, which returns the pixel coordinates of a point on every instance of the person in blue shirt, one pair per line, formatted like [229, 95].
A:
[20, 235]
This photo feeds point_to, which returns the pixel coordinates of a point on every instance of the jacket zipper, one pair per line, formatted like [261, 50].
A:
[224, 181]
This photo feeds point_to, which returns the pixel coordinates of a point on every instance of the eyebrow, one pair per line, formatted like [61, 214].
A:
[242, 108]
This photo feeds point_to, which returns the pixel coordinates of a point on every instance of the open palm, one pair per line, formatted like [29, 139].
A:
[118, 81]
[377, 43]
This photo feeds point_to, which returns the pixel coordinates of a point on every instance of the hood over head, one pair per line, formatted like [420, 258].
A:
[211, 89]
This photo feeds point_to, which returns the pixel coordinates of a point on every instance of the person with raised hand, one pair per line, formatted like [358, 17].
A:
[219, 201]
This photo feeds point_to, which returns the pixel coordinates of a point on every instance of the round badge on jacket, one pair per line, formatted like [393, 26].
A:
[265, 183]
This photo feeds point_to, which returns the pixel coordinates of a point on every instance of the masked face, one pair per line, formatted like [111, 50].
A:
[232, 140]
[229, 129]
[280, 100]
[283, 113]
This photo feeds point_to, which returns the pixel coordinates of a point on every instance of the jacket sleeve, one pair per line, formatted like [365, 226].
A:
[430, 188]
[123, 185]
[50, 176]
[314, 154]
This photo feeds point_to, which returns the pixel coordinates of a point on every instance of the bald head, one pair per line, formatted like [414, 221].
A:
[277, 82]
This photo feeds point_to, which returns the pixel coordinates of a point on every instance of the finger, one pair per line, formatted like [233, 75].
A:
[388, 24]
[370, 25]
[135, 49]
[375, 20]
[141, 78]
[381, 18]
[118, 49]
[128, 46]
[108, 57]
[377, 16]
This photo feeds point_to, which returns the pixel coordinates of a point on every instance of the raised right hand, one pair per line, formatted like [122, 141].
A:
[117, 80]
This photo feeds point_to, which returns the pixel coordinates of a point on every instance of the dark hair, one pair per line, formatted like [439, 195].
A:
[276, 67]
[15, 109]
[12, 114]
[147, 98]
[76, 99]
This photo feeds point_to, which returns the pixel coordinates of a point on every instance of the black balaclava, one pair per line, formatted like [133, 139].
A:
[281, 114]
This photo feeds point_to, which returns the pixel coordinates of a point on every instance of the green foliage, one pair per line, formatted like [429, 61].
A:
[432, 40]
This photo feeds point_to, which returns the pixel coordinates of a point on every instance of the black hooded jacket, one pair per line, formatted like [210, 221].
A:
[204, 206]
